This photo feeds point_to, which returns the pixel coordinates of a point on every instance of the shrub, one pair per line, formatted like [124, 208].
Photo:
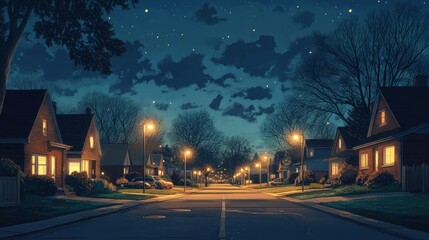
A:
[121, 181]
[379, 179]
[322, 180]
[348, 174]
[132, 175]
[105, 177]
[102, 186]
[361, 178]
[8, 168]
[79, 182]
[309, 177]
[40, 185]
[292, 177]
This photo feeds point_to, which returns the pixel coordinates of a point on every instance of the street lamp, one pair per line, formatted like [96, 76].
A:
[300, 137]
[150, 127]
[268, 168]
[259, 165]
[187, 152]
[248, 174]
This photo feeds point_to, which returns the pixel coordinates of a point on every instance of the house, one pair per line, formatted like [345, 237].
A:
[80, 131]
[136, 155]
[115, 162]
[157, 160]
[30, 136]
[316, 150]
[342, 151]
[398, 134]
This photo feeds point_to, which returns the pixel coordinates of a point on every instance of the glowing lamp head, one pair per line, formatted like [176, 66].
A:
[257, 165]
[296, 137]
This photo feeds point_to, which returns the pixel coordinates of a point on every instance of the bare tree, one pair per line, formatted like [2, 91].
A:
[236, 152]
[351, 63]
[195, 129]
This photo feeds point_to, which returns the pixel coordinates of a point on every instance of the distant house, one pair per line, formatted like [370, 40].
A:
[398, 134]
[115, 162]
[157, 160]
[316, 150]
[342, 151]
[136, 155]
[80, 131]
[30, 136]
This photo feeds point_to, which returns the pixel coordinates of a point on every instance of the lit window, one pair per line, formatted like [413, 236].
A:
[45, 127]
[38, 165]
[311, 152]
[376, 161]
[334, 169]
[382, 117]
[91, 142]
[364, 160]
[85, 166]
[53, 165]
[340, 143]
[74, 167]
[389, 155]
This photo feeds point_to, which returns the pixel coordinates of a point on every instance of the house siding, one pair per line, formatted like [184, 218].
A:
[92, 154]
[391, 123]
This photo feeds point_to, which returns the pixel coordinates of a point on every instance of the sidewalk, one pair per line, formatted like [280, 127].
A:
[26, 228]
[390, 228]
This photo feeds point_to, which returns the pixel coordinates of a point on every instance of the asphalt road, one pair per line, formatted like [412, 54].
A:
[219, 212]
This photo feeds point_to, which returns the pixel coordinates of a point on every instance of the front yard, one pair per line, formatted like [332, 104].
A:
[120, 195]
[284, 188]
[409, 211]
[151, 191]
[35, 208]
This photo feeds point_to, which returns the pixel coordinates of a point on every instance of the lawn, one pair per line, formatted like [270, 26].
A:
[292, 187]
[409, 211]
[343, 190]
[120, 195]
[35, 208]
[150, 191]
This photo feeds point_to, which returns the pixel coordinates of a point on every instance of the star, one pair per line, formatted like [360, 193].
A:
[350, 10]
[146, 10]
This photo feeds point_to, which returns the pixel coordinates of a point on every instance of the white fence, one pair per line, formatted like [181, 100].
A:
[9, 191]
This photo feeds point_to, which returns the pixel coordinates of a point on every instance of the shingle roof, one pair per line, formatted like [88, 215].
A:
[319, 143]
[74, 129]
[349, 140]
[409, 105]
[114, 154]
[19, 112]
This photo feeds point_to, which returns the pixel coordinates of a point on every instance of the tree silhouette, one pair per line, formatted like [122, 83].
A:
[77, 25]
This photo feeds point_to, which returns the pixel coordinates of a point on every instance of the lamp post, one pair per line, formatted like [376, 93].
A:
[248, 173]
[301, 138]
[260, 171]
[268, 168]
[187, 152]
[150, 126]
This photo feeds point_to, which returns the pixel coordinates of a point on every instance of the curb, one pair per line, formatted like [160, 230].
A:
[24, 229]
[389, 228]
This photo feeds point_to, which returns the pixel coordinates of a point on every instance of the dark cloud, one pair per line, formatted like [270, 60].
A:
[187, 106]
[267, 110]
[207, 14]
[284, 88]
[64, 91]
[247, 113]
[254, 93]
[162, 106]
[279, 9]
[215, 104]
[189, 70]
[221, 81]
[305, 19]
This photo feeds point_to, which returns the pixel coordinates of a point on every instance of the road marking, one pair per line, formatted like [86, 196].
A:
[222, 220]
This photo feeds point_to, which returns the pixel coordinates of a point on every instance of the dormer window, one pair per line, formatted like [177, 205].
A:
[91, 142]
[382, 117]
[45, 127]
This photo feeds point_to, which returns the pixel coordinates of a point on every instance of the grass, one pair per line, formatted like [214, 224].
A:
[292, 187]
[120, 195]
[408, 211]
[343, 190]
[35, 208]
[150, 191]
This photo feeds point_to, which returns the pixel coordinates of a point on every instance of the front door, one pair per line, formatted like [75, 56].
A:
[93, 167]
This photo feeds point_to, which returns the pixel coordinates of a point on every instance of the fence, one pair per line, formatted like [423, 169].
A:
[9, 191]
[415, 178]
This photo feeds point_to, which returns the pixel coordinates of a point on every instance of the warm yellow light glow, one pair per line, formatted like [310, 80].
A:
[187, 152]
[150, 126]
[242, 170]
[208, 169]
[257, 165]
[246, 168]
[296, 137]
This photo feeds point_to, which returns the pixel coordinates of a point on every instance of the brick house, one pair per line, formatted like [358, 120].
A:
[398, 134]
[80, 131]
[136, 155]
[116, 161]
[30, 136]
[342, 151]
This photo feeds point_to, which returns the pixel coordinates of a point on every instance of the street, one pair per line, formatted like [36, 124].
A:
[217, 212]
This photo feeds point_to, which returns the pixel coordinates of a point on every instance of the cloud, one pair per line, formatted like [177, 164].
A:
[254, 93]
[284, 88]
[215, 104]
[247, 113]
[207, 15]
[221, 81]
[279, 9]
[64, 91]
[267, 110]
[162, 106]
[187, 106]
[305, 19]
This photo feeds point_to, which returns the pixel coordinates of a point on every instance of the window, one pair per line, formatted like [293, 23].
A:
[85, 166]
[340, 143]
[91, 142]
[376, 161]
[38, 165]
[74, 167]
[311, 152]
[364, 160]
[45, 127]
[334, 169]
[389, 156]
[382, 117]
[53, 165]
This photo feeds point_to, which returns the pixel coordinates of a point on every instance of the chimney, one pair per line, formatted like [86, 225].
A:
[88, 110]
[420, 81]
[54, 106]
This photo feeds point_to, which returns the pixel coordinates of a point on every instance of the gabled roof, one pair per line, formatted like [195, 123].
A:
[156, 159]
[114, 154]
[409, 105]
[319, 143]
[348, 139]
[19, 112]
[74, 129]
[136, 154]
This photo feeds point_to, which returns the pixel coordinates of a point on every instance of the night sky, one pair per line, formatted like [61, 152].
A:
[234, 58]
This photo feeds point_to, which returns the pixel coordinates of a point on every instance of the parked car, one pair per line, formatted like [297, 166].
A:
[138, 183]
[276, 181]
[154, 182]
[164, 182]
